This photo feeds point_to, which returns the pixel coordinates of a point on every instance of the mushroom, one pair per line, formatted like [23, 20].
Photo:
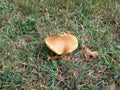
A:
[62, 44]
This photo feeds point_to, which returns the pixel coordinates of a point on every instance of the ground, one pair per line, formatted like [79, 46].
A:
[24, 25]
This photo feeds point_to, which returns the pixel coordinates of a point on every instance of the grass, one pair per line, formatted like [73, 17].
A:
[23, 54]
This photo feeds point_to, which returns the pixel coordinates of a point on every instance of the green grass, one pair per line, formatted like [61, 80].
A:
[23, 53]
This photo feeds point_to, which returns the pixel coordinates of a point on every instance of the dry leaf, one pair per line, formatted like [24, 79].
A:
[68, 31]
[22, 70]
[54, 57]
[43, 87]
[88, 54]
[112, 87]
[46, 14]
[58, 57]
[33, 89]
[68, 58]
[95, 54]
[115, 33]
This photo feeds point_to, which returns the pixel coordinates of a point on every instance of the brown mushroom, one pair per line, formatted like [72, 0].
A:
[62, 44]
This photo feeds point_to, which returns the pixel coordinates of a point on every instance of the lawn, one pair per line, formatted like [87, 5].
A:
[24, 25]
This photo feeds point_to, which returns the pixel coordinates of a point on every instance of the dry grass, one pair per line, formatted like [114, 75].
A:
[23, 54]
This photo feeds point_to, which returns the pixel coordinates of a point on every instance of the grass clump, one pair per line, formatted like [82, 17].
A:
[23, 54]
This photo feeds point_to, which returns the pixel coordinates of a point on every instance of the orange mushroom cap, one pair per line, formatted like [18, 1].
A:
[62, 44]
